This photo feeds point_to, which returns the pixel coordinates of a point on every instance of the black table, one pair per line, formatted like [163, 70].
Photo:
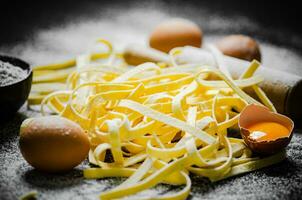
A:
[45, 32]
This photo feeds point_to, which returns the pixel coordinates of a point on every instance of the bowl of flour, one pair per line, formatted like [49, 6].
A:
[15, 85]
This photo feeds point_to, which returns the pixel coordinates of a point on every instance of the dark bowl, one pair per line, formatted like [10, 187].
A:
[14, 95]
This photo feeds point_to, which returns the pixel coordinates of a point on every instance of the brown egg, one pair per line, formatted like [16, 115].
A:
[175, 33]
[264, 131]
[53, 143]
[240, 46]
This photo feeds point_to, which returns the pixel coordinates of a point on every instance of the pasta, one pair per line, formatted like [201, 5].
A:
[159, 124]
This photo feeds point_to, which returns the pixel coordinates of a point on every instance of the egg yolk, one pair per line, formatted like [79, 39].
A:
[267, 131]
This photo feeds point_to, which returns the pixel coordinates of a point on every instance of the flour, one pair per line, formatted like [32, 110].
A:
[10, 74]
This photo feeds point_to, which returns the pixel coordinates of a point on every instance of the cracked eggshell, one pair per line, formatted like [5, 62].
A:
[255, 113]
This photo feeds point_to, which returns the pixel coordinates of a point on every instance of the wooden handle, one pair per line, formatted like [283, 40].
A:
[137, 54]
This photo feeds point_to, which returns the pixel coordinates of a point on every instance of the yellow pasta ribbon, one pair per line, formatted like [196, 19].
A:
[157, 125]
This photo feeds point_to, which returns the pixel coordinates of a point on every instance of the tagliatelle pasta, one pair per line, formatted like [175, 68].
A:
[160, 124]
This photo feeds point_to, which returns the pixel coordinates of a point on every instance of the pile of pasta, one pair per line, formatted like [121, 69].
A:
[157, 123]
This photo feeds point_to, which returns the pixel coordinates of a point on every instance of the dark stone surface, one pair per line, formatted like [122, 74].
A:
[46, 32]
[281, 181]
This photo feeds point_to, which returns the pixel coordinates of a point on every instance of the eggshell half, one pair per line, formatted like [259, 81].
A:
[256, 113]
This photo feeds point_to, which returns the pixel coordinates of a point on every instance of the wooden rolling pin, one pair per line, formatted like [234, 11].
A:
[282, 88]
